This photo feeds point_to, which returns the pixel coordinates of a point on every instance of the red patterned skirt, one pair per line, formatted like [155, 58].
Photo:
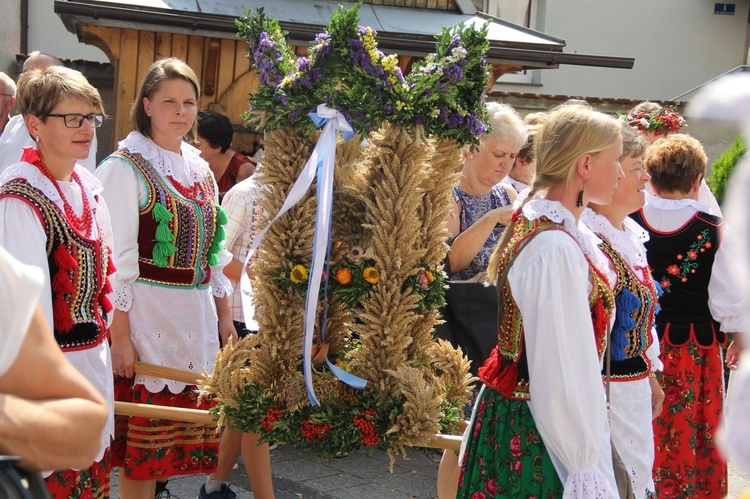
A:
[687, 463]
[91, 483]
[147, 449]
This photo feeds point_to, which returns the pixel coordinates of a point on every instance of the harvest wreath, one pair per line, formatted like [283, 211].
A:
[345, 356]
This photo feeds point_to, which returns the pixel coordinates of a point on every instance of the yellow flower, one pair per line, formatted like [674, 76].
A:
[286, 83]
[435, 113]
[392, 79]
[371, 275]
[389, 63]
[374, 57]
[299, 274]
[399, 105]
[430, 276]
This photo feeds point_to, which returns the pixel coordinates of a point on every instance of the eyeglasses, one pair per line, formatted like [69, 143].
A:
[73, 120]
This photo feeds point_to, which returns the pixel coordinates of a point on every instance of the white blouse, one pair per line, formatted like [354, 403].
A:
[550, 283]
[725, 304]
[23, 235]
[170, 327]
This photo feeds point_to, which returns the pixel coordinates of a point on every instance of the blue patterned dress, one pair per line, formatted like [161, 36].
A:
[472, 209]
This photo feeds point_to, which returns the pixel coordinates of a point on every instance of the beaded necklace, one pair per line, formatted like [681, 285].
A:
[190, 192]
[83, 223]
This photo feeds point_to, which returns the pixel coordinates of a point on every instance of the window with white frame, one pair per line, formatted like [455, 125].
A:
[521, 12]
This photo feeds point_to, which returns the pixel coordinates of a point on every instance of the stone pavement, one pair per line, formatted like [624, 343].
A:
[361, 475]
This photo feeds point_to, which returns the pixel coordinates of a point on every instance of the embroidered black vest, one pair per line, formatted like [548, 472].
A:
[635, 305]
[78, 268]
[506, 370]
[169, 221]
[681, 262]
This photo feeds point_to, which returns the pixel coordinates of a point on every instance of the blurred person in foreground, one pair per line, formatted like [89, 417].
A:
[51, 418]
[54, 218]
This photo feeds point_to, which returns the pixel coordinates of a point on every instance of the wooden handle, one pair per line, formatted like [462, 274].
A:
[161, 412]
[440, 441]
[170, 373]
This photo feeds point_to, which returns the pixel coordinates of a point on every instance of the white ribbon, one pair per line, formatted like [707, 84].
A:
[321, 162]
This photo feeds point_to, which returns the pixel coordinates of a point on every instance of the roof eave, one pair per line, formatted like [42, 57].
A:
[73, 13]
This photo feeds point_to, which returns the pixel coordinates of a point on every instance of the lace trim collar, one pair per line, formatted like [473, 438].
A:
[92, 186]
[556, 212]
[675, 204]
[187, 167]
[627, 243]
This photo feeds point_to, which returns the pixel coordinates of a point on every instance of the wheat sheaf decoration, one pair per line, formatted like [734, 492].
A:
[374, 374]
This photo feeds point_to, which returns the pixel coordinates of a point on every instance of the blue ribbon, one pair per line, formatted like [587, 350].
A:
[320, 164]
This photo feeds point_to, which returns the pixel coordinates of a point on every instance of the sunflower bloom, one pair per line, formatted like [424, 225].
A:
[371, 275]
[344, 276]
[299, 274]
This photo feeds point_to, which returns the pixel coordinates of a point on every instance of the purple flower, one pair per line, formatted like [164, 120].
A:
[428, 92]
[303, 64]
[454, 73]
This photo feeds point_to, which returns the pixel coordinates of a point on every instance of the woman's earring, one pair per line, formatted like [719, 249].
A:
[579, 201]
[37, 138]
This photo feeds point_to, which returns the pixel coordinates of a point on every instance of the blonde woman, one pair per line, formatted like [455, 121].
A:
[539, 427]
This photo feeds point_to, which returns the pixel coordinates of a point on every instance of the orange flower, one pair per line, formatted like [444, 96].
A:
[344, 276]
[673, 269]
[371, 275]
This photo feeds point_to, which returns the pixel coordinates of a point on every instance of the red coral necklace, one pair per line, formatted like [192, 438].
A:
[191, 192]
[83, 223]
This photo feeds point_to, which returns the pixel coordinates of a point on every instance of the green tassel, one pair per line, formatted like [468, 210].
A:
[221, 216]
[220, 235]
[163, 234]
[162, 251]
[161, 214]
[213, 259]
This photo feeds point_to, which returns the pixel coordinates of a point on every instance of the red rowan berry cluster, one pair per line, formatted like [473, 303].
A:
[314, 432]
[367, 427]
[273, 414]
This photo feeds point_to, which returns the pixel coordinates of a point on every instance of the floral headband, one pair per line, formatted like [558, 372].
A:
[666, 121]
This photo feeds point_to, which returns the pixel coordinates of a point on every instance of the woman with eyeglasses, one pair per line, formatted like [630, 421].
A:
[54, 218]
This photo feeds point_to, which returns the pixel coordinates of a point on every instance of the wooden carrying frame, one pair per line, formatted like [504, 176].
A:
[439, 441]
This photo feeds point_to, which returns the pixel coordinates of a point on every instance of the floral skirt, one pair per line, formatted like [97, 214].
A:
[505, 456]
[91, 483]
[687, 463]
[147, 449]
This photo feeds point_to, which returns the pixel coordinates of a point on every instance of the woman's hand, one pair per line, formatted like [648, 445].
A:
[657, 397]
[122, 349]
[502, 215]
[226, 324]
[734, 352]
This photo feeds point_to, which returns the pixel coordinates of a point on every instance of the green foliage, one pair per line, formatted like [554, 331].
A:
[722, 168]
[347, 72]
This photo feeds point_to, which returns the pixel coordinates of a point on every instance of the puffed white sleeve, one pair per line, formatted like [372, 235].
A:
[550, 286]
[124, 192]
[654, 351]
[724, 302]
[23, 236]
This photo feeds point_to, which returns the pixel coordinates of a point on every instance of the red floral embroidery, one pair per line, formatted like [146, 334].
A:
[687, 263]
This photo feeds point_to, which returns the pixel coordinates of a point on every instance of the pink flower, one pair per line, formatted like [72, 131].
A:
[699, 237]
[515, 445]
[707, 244]
[680, 256]
[673, 269]
[424, 281]
[478, 495]
[692, 254]
[490, 485]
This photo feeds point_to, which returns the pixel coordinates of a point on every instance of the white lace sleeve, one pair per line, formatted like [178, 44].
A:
[220, 284]
[591, 485]
[724, 300]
